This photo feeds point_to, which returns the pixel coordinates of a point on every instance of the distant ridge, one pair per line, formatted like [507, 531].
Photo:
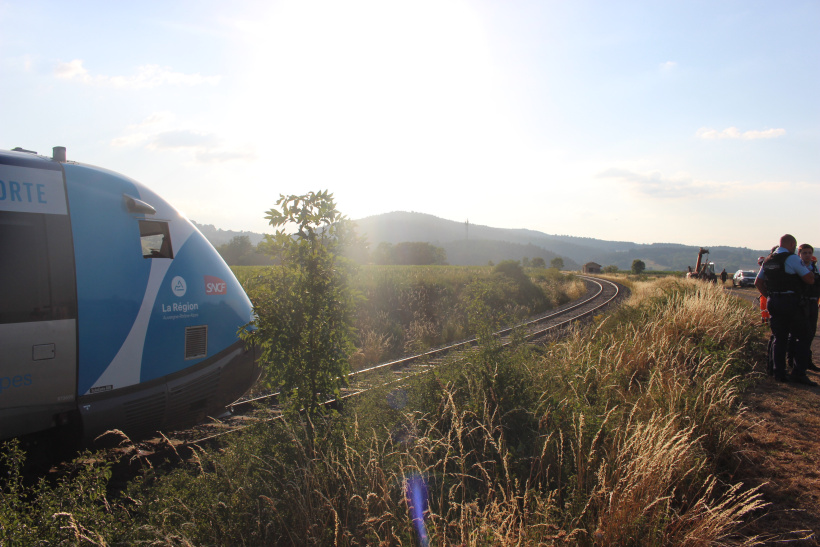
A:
[475, 244]
[454, 237]
[218, 236]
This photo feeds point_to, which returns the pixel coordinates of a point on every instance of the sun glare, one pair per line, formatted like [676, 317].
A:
[346, 92]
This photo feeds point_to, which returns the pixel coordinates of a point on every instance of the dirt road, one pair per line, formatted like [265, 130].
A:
[779, 449]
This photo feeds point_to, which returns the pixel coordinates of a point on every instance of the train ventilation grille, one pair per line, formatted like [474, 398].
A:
[143, 416]
[196, 342]
[190, 402]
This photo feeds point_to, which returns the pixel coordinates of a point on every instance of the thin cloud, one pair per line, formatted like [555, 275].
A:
[156, 119]
[668, 66]
[147, 76]
[654, 184]
[157, 132]
[708, 133]
[71, 70]
[216, 156]
[146, 130]
[183, 139]
[131, 139]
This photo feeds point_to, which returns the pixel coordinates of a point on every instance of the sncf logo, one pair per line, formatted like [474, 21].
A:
[214, 285]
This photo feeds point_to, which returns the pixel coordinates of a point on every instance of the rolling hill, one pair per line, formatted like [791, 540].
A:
[476, 244]
[467, 244]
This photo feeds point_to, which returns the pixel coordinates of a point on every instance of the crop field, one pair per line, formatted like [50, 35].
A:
[618, 434]
[407, 309]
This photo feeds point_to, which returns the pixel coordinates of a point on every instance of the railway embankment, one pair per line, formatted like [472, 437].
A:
[627, 430]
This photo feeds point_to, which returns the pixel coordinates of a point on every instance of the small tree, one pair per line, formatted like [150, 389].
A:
[510, 268]
[238, 251]
[418, 253]
[538, 262]
[384, 254]
[304, 312]
[612, 268]
[638, 266]
[557, 263]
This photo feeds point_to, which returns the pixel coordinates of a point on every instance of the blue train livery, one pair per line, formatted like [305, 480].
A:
[115, 312]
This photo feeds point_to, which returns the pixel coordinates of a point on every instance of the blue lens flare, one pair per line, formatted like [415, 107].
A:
[397, 399]
[417, 499]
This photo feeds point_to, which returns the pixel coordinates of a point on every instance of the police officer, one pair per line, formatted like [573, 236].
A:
[810, 297]
[781, 280]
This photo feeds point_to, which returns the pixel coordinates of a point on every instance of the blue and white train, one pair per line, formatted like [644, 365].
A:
[115, 311]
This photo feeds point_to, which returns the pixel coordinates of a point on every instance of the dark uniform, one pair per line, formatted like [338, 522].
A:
[809, 306]
[787, 320]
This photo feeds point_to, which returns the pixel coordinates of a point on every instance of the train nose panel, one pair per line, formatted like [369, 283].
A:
[173, 402]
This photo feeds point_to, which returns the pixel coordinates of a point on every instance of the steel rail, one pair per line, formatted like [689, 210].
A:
[555, 320]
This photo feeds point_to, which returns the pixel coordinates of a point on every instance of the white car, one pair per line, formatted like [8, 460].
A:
[744, 278]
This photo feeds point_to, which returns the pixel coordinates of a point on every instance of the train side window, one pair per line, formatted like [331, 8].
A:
[36, 268]
[155, 239]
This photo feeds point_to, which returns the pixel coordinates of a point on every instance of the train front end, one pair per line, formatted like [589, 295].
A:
[124, 316]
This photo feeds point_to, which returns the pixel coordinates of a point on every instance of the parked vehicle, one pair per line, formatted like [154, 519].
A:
[704, 269]
[744, 278]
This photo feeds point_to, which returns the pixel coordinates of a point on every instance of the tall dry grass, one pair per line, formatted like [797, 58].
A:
[664, 374]
[612, 436]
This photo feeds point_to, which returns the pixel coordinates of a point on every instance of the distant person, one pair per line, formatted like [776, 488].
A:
[723, 276]
[781, 280]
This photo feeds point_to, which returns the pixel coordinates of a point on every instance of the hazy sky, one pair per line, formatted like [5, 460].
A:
[692, 122]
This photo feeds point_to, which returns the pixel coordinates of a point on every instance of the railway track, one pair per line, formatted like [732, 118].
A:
[131, 456]
[600, 294]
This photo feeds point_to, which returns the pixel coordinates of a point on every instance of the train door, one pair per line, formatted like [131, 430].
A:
[38, 303]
